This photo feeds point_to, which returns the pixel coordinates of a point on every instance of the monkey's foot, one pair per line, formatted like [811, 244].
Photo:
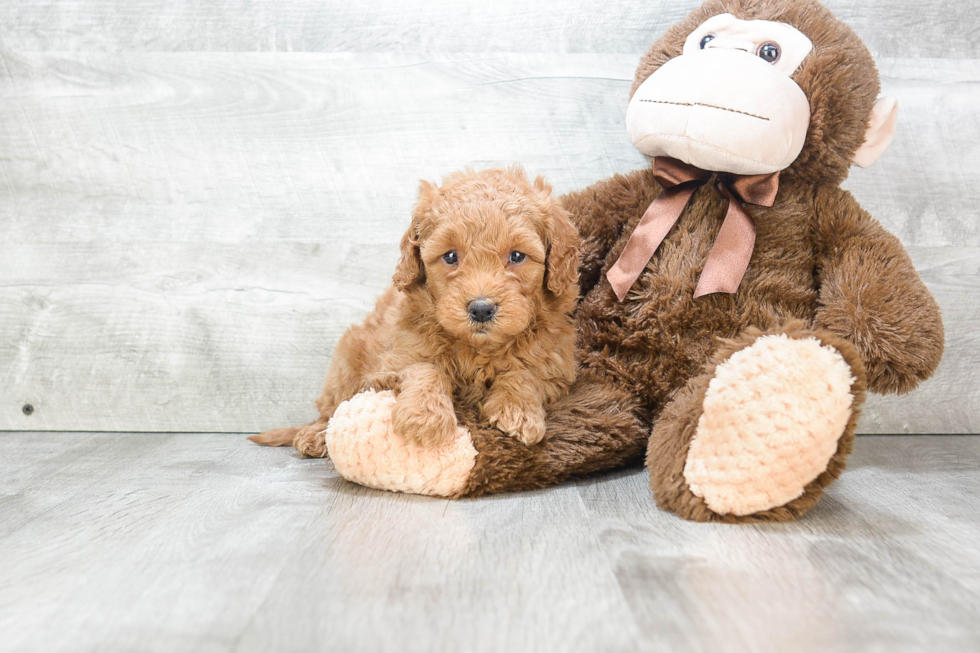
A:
[765, 432]
[365, 449]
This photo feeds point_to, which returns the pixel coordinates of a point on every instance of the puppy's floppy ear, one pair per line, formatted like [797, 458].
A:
[561, 272]
[410, 270]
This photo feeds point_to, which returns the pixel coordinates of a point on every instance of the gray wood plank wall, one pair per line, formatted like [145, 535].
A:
[197, 198]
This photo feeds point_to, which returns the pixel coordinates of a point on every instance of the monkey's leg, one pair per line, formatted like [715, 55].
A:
[761, 433]
[595, 427]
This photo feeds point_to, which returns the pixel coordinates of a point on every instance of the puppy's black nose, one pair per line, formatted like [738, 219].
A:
[481, 310]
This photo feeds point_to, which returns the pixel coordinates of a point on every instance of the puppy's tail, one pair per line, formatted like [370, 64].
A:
[276, 437]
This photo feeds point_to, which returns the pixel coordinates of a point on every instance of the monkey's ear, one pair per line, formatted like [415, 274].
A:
[410, 270]
[881, 131]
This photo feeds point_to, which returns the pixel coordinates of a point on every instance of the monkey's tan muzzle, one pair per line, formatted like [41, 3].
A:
[724, 110]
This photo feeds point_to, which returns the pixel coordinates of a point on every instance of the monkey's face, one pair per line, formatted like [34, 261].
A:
[729, 102]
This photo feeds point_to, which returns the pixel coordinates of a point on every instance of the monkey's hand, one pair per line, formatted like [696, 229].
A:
[871, 295]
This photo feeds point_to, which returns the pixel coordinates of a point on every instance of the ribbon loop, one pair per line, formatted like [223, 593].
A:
[754, 189]
[730, 254]
[671, 172]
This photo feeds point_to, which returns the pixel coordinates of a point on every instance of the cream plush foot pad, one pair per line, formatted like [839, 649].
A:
[365, 450]
[771, 419]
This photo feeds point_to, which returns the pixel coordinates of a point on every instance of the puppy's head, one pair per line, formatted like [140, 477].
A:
[490, 253]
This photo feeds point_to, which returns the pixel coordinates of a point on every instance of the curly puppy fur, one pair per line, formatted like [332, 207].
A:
[490, 237]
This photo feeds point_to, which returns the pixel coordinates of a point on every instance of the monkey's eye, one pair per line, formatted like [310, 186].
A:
[707, 38]
[769, 52]
[517, 257]
[450, 257]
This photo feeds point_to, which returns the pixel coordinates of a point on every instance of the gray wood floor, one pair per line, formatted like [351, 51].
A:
[188, 542]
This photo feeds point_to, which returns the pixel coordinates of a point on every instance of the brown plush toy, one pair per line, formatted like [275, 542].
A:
[735, 301]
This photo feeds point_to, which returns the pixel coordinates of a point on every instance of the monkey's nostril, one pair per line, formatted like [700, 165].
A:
[481, 310]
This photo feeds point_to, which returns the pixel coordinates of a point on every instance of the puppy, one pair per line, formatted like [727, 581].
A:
[479, 314]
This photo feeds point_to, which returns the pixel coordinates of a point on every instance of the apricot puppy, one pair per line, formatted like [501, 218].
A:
[479, 314]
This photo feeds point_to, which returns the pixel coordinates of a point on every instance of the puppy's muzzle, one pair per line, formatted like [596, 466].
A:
[481, 310]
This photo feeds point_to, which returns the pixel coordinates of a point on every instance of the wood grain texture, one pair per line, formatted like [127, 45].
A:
[890, 27]
[186, 232]
[197, 542]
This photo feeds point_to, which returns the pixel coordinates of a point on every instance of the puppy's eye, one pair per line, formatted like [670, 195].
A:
[517, 257]
[769, 52]
[450, 257]
[707, 38]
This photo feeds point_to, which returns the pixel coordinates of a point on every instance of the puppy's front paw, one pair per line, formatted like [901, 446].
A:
[526, 423]
[427, 424]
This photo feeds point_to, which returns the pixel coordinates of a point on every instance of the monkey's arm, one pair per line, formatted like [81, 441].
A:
[871, 295]
[600, 212]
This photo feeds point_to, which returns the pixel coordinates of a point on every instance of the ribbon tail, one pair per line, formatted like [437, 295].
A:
[653, 227]
[730, 255]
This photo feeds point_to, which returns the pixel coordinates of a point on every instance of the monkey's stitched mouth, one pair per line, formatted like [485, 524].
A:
[708, 106]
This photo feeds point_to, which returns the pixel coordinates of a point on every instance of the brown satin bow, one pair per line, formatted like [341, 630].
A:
[729, 256]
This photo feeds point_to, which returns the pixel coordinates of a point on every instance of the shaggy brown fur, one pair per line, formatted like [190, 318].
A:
[672, 435]
[822, 267]
[490, 236]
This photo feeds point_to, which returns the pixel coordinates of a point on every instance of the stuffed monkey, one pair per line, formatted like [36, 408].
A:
[736, 303]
